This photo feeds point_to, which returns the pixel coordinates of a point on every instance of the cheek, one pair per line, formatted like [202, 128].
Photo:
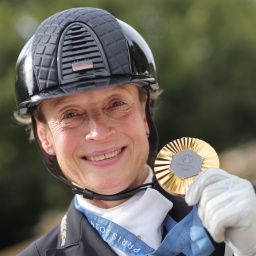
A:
[146, 127]
[64, 142]
[137, 129]
[65, 147]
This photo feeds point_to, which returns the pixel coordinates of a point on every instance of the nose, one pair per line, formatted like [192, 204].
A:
[100, 129]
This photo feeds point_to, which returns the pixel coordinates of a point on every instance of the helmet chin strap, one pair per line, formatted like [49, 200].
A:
[50, 162]
[88, 194]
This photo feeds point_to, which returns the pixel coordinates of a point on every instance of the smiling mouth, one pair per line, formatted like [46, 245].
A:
[105, 156]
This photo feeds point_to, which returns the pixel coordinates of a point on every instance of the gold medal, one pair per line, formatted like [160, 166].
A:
[179, 162]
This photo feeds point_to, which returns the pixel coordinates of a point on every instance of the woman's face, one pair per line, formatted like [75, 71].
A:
[99, 137]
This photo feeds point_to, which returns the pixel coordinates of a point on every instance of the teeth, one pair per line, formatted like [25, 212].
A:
[103, 157]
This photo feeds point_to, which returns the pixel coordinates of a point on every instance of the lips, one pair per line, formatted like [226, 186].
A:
[104, 156]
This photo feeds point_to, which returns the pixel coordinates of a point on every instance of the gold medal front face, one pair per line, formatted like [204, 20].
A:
[180, 161]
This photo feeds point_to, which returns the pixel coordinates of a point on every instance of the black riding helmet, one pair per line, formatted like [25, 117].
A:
[78, 50]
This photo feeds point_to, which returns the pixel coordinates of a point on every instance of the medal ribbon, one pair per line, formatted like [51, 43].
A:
[187, 236]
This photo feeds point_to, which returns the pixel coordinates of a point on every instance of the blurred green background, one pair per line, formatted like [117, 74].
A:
[205, 53]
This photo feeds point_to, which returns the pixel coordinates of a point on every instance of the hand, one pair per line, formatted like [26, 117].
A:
[227, 209]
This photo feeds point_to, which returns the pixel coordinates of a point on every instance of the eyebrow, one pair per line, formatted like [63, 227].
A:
[109, 90]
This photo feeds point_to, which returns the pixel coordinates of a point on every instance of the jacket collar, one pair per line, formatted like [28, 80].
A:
[77, 237]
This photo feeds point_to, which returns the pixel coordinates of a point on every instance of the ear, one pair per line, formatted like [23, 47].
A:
[45, 138]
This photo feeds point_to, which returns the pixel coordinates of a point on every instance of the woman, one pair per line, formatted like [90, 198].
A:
[87, 82]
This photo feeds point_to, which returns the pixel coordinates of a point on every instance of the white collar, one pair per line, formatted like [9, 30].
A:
[143, 214]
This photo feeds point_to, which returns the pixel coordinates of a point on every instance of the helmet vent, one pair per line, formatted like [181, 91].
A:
[80, 54]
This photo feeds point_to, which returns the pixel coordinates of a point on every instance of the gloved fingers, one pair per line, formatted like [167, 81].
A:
[233, 193]
[206, 178]
[227, 208]
[219, 213]
[221, 193]
[227, 204]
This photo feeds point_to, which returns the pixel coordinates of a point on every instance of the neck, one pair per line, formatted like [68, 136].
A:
[110, 204]
[106, 204]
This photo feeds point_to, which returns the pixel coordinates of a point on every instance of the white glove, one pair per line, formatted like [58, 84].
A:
[227, 209]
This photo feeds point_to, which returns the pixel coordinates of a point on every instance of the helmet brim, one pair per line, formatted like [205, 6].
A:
[84, 86]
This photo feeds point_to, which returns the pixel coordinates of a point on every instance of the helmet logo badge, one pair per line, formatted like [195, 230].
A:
[82, 65]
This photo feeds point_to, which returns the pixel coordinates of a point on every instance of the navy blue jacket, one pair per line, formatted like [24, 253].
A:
[81, 239]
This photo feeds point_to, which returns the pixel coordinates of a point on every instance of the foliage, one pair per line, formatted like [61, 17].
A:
[205, 54]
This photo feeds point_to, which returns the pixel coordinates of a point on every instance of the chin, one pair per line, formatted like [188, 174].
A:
[110, 189]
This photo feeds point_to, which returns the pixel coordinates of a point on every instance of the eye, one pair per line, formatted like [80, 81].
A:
[118, 108]
[69, 115]
[117, 104]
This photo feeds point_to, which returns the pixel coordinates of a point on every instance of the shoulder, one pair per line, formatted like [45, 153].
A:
[39, 246]
[56, 236]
